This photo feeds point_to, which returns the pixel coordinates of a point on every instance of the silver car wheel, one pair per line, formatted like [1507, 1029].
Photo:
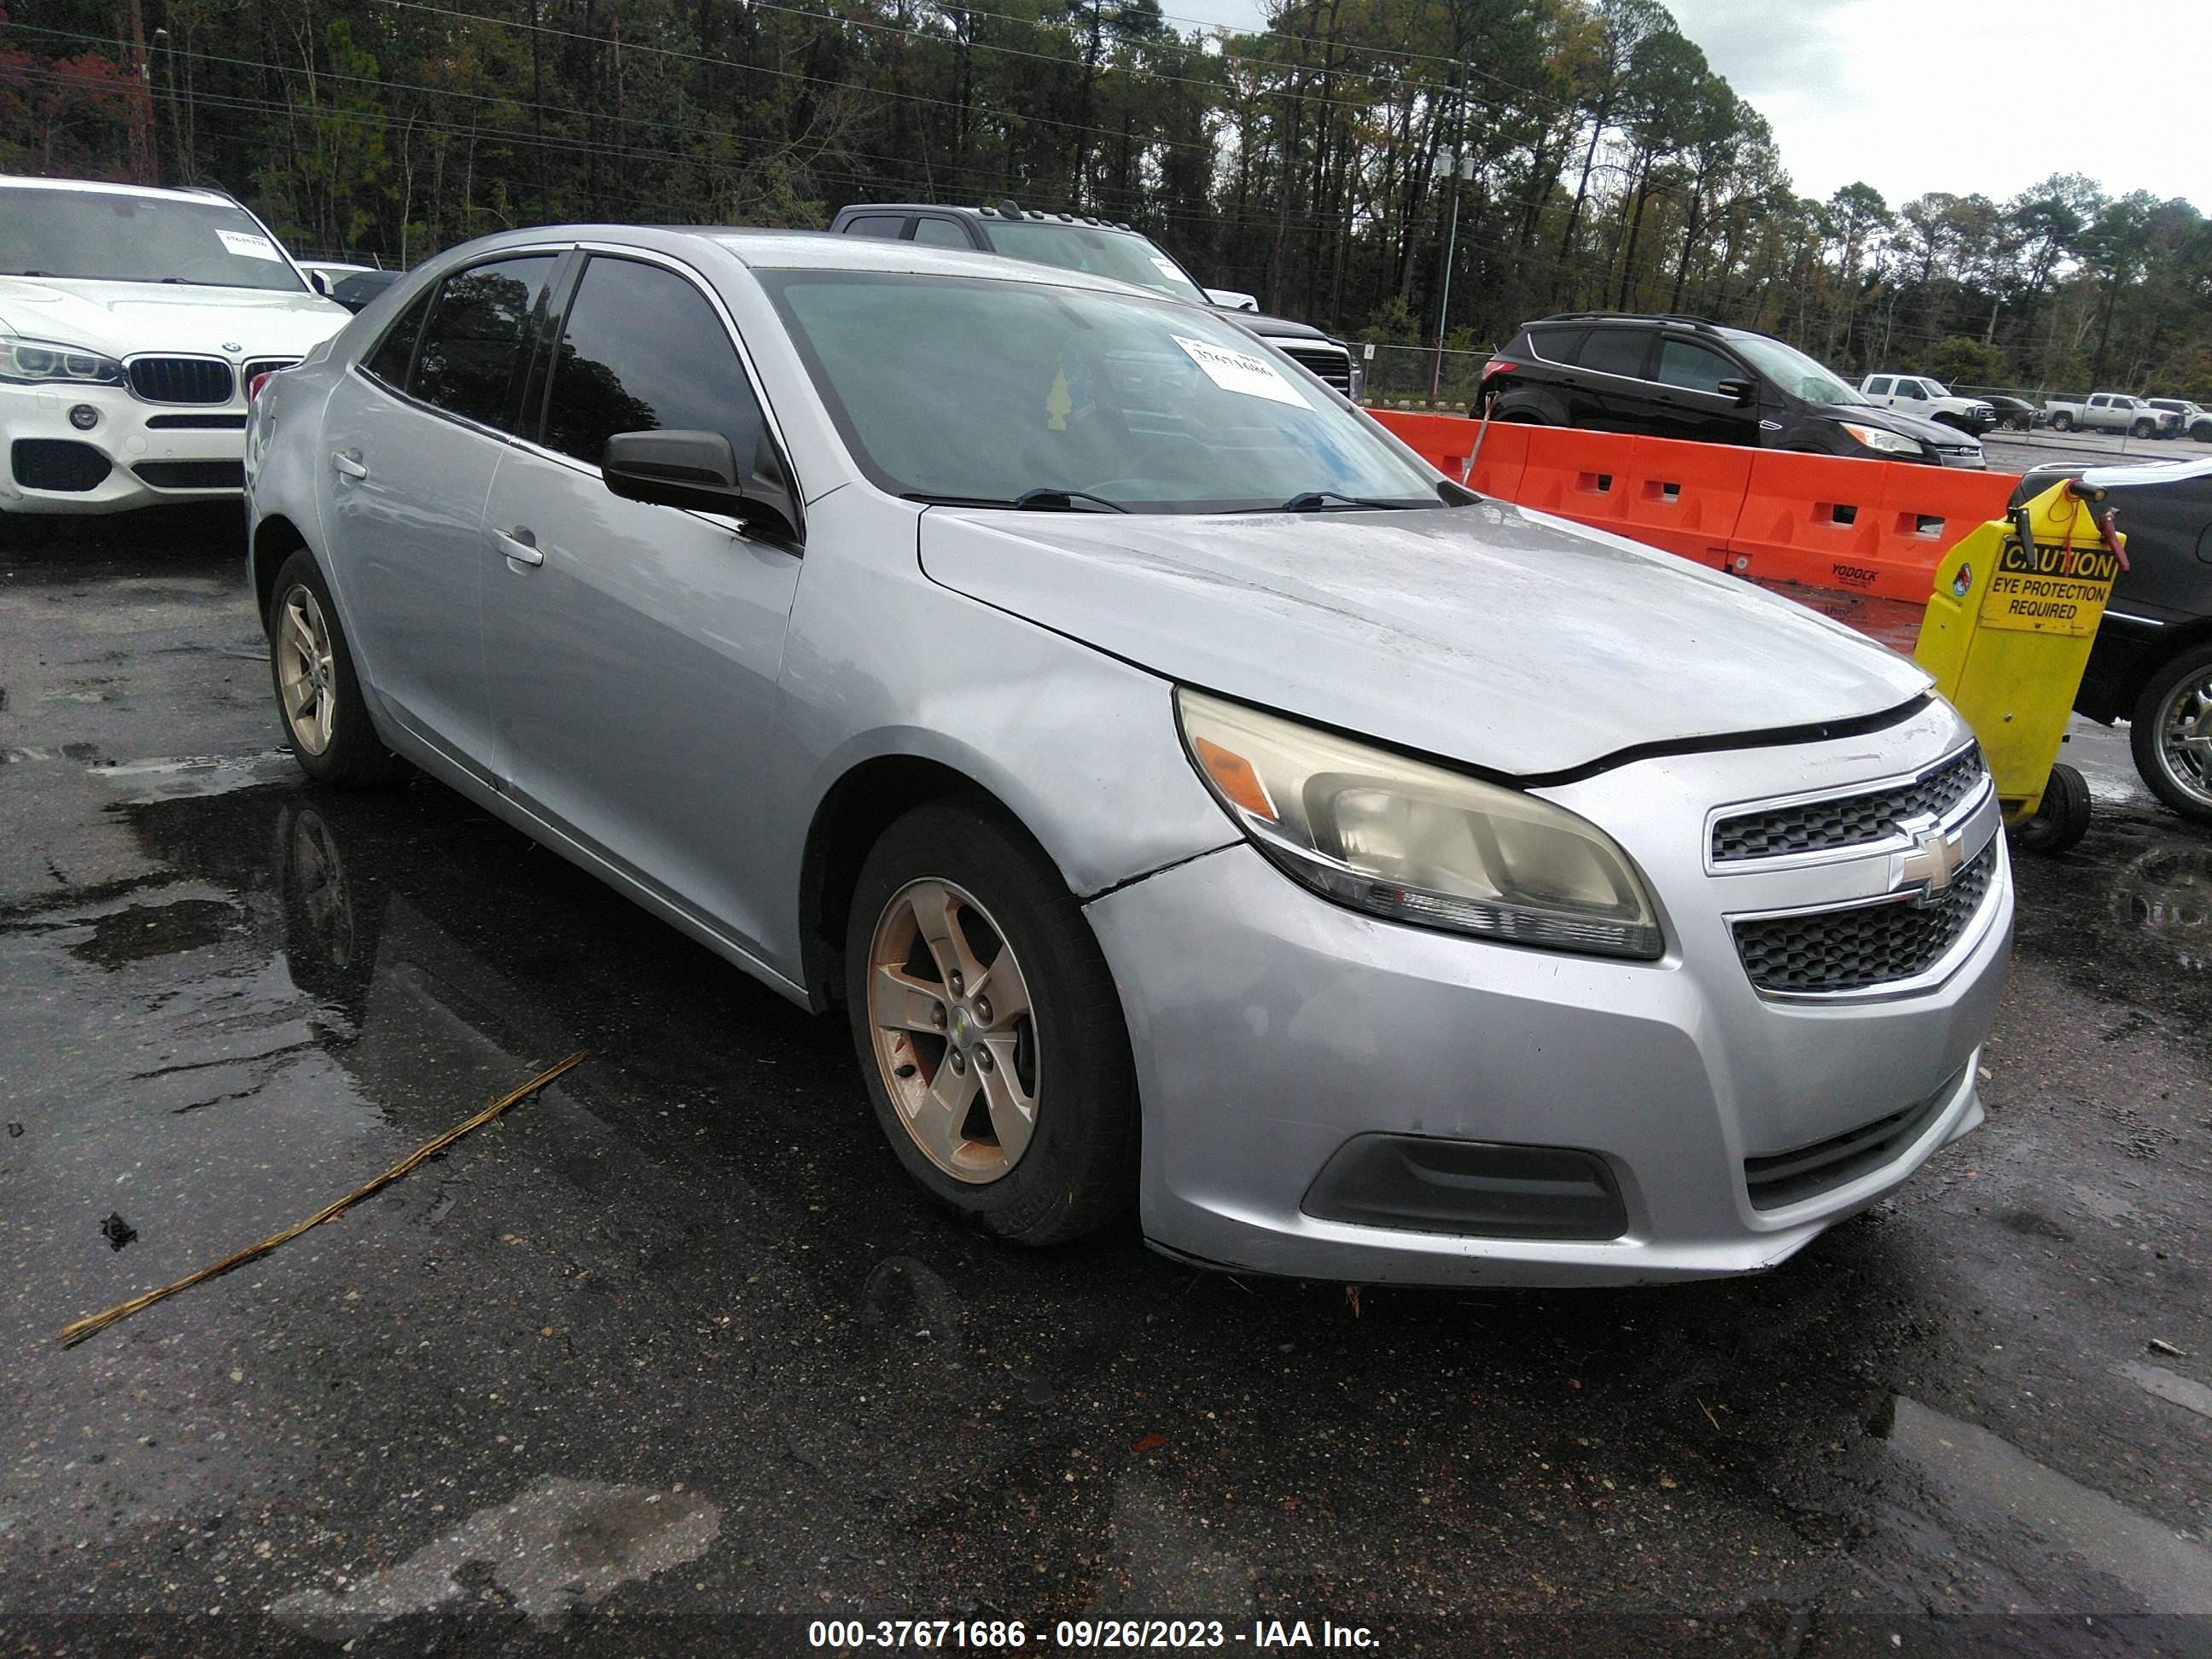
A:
[307, 676]
[954, 1037]
[2185, 736]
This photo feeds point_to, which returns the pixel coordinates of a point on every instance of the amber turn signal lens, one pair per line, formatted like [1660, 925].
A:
[1233, 776]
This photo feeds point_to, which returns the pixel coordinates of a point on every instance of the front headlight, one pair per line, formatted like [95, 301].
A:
[1415, 842]
[1889, 443]
[40, 362]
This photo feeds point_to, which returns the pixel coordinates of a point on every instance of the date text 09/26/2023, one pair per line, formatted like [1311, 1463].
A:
[1007, 1635]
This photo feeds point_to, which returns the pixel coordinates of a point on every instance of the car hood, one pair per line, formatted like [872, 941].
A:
[1889, 420]
[1505, 640]
[1274, 328]
[120, 319]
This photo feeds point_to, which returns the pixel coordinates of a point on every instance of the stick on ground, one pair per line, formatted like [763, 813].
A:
[71, 1335]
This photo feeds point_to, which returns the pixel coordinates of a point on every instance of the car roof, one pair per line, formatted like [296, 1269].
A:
[193, 194]
[814, 250]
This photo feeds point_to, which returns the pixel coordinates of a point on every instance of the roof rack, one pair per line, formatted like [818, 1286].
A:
[1633, 316]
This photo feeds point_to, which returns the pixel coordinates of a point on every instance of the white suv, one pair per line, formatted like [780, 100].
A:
[132, 323]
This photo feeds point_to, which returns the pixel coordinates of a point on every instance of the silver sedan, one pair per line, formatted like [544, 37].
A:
[1193, 802]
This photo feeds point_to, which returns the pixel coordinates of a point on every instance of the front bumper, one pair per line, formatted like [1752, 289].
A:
[1271, 1028]
[152, 453]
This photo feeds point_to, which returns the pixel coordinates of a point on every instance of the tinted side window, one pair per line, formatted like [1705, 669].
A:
[1615, 351]
[396, 350]
[1879, 386]
[1912, 389]
[643, 349]
[1687, 364]
[476, 339]
[1557, 345]
[941, 232]
[886, 225]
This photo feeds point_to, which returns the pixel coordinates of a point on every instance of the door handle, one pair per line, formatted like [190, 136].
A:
[519, 544]
[347, 464]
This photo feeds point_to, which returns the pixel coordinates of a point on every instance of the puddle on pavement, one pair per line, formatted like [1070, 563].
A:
[1992, 1481]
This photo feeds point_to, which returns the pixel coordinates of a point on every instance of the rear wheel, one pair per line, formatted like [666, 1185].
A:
[989, 1027]
[318, 695]
[2143, 430]
[2062, 817]
[2170, 732]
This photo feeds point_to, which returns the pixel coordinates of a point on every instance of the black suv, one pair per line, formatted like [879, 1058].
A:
[1686, 377]
[1074, 243]
[2151, 665]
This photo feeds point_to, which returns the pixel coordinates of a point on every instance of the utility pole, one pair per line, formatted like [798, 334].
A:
[140, 128]
[1460, 165]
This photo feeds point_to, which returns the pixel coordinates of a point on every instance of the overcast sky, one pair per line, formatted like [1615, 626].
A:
[1963, 95]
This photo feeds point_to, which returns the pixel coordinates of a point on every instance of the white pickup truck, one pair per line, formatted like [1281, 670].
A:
[1931, 400]
[2110, 412]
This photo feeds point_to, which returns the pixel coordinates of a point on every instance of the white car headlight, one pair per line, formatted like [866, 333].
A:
[1889, 443]
[1416, 842]
[39, 362]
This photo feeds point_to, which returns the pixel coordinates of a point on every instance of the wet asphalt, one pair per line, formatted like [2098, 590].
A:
[672, 1356]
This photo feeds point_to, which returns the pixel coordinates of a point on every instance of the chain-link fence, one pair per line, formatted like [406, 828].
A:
[1418, 377]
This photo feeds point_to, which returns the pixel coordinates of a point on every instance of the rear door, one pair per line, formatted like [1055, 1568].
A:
[1614, 391]
[1882, 389]
[412, 438]
[633, 650]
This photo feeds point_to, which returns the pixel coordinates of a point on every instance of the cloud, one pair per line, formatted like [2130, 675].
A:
[1771, 49]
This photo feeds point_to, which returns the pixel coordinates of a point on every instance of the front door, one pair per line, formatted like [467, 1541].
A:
[412, 442]
[1691, 403]
[633, 651]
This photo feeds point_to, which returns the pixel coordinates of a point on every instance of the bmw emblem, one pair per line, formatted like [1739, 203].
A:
[232, 345]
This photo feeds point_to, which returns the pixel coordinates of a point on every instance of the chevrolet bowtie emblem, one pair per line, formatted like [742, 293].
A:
[1935, 860]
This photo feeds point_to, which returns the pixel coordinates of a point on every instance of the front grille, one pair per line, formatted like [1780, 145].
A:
[1328, 362]
[193, 475]
[180, 379]
[57, 464]
[1791, 1177]
[196, 422]
[1822, 952]
[254, 365]
[1848, 820]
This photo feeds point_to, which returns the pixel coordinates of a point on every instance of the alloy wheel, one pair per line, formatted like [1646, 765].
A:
[306, 675]
[954, 1033]
[2185, 736]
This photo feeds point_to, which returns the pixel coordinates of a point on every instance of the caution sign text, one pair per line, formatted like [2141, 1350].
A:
[2049, 588]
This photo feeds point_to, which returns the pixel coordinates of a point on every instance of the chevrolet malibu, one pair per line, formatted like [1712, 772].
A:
[1190, 800]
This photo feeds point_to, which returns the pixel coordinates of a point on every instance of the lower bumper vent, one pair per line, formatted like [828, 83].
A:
[1791, 1177]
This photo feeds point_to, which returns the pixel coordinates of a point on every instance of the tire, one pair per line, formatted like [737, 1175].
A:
[2201, 432]
[2177, 698]
[2062, 817]
[2143, 429]
[951, 881]
[2061, 423]
[330, 733]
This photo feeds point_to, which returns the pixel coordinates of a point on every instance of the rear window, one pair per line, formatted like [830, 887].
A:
[1557, 345]
[1615, 351]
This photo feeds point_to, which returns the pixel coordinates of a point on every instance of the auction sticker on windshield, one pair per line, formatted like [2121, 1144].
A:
[1242, 373]
[2049, 588]
[249, 246]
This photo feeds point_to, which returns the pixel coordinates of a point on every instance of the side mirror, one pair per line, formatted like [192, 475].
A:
[1741, 390]
[696, 470]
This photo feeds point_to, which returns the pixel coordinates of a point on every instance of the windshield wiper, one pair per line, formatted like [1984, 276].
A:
[1032, 501]
[1333, 501]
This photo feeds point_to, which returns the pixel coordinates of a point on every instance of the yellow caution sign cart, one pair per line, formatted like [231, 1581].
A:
[2007, 636]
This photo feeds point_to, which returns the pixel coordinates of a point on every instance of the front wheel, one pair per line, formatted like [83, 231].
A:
[2170, 730]
[2143, 430]
[318, 694]
[989, 1027]
[2061, 423]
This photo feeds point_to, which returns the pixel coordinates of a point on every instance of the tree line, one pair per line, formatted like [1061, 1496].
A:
[1600, 160]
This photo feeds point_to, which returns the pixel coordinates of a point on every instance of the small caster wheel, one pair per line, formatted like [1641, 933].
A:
[2062, 817]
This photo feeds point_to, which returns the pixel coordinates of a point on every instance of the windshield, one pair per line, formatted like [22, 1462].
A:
[966, 390]
[1121, 254]
[1794, 372]
[110, 237]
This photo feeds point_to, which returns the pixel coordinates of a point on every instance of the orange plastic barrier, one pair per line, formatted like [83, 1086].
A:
[1826, 521]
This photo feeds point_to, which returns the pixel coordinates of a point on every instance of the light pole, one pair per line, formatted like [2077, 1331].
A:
[1462, 167]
